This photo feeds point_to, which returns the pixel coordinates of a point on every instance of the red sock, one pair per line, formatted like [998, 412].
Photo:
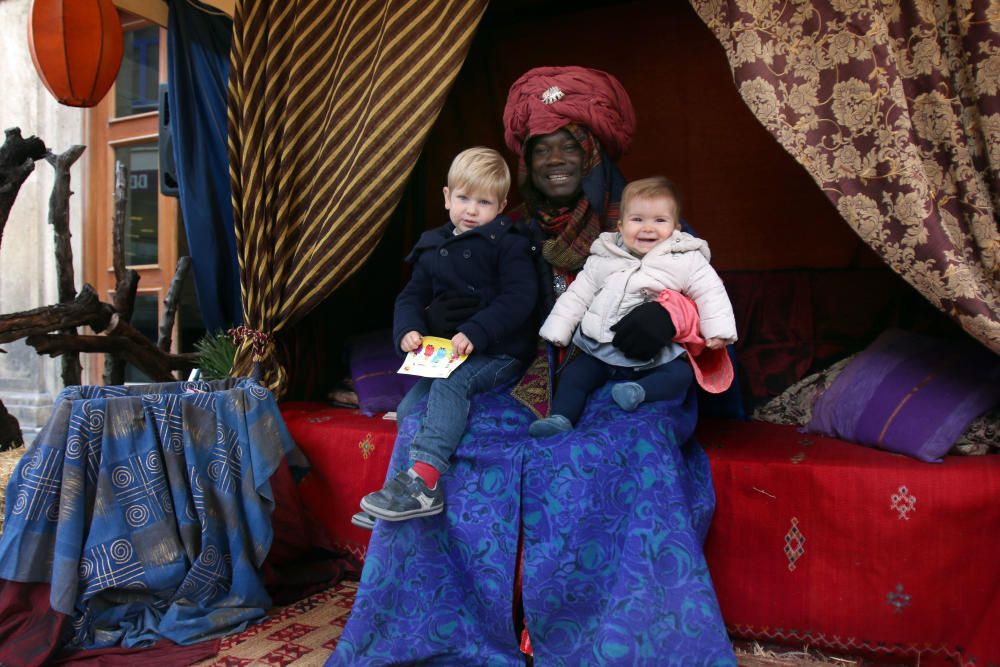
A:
[427, 472]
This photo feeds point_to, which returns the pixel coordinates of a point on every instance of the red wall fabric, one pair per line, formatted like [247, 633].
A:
[753, 203]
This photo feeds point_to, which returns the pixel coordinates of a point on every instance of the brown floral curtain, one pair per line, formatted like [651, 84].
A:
[329, 106]
[894, 109]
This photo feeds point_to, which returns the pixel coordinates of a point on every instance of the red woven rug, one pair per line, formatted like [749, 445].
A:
[299, 635]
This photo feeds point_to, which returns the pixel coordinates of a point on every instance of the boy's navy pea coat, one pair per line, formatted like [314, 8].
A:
[492, 262]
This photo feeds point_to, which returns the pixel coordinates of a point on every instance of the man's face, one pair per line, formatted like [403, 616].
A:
[556, 163]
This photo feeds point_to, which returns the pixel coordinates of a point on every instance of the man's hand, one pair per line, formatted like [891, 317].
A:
[411, 341]
[461, 344]
[644, 331]
[447, 311]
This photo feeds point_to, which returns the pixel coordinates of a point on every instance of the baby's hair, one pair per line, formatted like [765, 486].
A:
[651, 188]
[481, 169]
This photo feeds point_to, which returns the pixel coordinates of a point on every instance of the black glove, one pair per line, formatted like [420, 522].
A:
[642, 333]
[447, 311]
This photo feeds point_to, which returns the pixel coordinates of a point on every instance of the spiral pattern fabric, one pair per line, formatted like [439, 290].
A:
[147, 509]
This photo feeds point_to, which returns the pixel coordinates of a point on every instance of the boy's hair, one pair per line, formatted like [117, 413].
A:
[651, 188]
[482, 169]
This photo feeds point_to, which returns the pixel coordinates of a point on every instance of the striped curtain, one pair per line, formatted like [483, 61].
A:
[329, 105]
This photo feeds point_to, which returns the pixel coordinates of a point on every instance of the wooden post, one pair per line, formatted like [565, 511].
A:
[72, 371]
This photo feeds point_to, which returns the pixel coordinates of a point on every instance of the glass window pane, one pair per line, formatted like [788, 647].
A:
[139, 76]
[145, 318]
[141, 231]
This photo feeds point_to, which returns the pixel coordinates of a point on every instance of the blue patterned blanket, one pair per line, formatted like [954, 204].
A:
[614, 515]
[147, 508]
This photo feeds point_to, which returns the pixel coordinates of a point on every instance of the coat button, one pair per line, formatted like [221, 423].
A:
[503, 222]
[472, 288]
[467, 253]
[533, 248]
[444, 252]
[493, 236]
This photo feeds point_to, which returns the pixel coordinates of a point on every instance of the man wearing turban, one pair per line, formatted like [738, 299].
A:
[611, 516]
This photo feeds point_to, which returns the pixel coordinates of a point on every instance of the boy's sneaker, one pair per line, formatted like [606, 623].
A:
[404, 497]
[363, 520]
[628, 395]
[551, 425]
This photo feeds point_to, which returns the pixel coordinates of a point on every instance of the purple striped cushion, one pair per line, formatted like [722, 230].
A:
[909, 393]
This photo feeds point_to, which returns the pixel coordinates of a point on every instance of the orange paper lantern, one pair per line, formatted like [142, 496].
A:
[77, 47]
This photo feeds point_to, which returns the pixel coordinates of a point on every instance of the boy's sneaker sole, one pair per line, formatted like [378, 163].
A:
[363, 520]
[390, 515]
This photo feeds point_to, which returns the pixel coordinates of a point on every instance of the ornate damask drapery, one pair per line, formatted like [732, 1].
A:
[893, 107]
[329, 106]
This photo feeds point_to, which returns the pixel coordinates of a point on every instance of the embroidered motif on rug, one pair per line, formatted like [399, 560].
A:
[898, 599]
[367, 446]
[903, 502]
[794, 544]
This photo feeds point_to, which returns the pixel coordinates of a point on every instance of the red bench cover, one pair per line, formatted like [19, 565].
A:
[815, 541]
[821, 542]
[349, 454]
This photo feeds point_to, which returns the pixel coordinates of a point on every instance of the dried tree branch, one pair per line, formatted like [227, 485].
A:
[85, 309]
[72, 370]
[171, 303]
[17, 161]
[143, 355]
[10, 430]
[126, 279]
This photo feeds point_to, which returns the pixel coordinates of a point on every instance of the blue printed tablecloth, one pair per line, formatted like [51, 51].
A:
[147, 509]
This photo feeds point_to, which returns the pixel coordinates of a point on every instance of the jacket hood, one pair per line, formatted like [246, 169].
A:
[609, 244]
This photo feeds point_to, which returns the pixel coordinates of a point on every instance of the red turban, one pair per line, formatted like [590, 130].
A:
[547, 98]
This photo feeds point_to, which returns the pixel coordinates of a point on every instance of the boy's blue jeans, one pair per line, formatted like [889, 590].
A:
[448, 401]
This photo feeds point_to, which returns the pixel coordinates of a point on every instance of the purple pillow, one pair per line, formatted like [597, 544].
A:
[374, 363]
[909, 393]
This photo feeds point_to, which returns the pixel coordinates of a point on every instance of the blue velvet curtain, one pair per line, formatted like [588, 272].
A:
[197, 76]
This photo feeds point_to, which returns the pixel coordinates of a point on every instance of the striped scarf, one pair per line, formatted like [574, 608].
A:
[573, 230]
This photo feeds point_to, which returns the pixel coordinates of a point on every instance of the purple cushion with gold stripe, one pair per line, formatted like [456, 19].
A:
[909, 393]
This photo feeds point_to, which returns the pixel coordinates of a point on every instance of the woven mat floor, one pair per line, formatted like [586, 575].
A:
[302, 634]
[305, 633]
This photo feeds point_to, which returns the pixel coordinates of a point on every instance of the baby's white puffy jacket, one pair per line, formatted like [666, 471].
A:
[613, 282]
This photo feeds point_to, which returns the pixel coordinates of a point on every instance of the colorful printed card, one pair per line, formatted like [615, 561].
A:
[435, 358]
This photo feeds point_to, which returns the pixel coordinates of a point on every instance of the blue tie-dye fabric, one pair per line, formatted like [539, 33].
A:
[147, 508]
[614, 517]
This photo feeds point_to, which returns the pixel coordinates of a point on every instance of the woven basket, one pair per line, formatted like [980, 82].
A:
[8, 461]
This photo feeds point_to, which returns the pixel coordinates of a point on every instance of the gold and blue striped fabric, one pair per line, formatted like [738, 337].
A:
[329, 106]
